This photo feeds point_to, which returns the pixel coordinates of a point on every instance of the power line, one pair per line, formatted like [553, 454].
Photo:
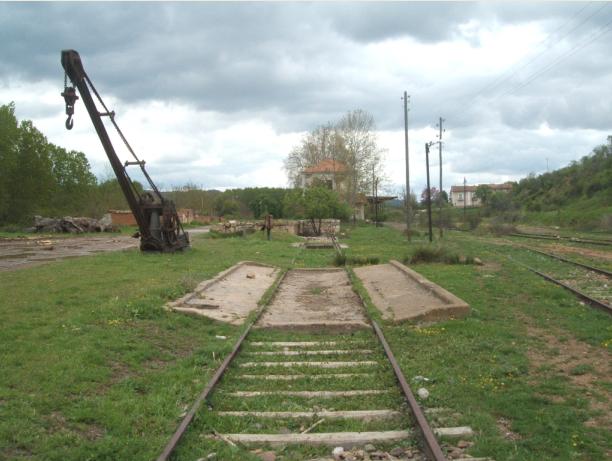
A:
[509, 73]
[530, 78]
[562, 58]
[549, 38]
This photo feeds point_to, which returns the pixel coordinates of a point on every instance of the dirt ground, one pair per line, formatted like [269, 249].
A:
[31, 251]
[231, 296]
[313, 298]
[584, 365]
[399, 297]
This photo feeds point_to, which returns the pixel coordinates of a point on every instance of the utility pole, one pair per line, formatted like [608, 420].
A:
[440, 191]
[427, 145]
[464, 198]
[408, 203]
[376, 201]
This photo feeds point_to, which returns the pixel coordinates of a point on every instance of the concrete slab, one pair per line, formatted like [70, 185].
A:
[293, 343]
[335, 439]
[365, 415]
[309, 394]
[310, 364]
[315, 299]
[295, 377]
[400, 294]
[230, 296]
[455, 432]
[323, 352]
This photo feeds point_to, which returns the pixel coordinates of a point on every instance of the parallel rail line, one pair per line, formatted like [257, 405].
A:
[569, 261]
[430, 444]
[589, 299]
[571, 239]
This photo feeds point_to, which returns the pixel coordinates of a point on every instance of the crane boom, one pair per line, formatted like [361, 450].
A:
[157, 219]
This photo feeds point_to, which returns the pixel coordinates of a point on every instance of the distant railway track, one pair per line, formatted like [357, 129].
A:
[571, 239]
[569, 261]
[276, 369]
[597, 303]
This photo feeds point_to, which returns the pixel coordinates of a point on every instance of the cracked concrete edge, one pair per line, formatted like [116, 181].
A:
[316, 269]
[445, 295]
[178, 303]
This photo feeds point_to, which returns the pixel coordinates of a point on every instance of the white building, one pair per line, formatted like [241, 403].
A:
[463, 195]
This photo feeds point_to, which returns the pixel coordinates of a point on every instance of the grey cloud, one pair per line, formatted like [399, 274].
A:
[297, 65]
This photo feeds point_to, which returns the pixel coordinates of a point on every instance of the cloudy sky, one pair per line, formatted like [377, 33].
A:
[216, 94]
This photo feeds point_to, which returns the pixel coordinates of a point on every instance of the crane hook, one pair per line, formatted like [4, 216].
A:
[70, 97]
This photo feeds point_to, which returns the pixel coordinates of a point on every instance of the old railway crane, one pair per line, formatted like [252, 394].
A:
[158, 221]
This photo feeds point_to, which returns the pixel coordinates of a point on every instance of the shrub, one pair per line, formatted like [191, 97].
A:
[342, 260]
[436, 254]
[473, 220]
[339, 260]
[499, 227]
[223, 235]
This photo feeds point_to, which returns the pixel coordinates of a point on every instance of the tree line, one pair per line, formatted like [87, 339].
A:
[38, 177]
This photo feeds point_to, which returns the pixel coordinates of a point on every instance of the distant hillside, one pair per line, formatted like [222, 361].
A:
[579, 195]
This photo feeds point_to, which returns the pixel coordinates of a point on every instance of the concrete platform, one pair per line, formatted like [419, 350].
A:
[401, 294]
[230, 296]
[315, 299]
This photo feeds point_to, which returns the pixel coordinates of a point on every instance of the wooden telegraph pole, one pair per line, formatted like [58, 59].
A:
[427, 146]
[408, 202]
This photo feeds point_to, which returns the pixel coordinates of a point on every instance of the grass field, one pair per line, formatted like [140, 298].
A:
[93, 368]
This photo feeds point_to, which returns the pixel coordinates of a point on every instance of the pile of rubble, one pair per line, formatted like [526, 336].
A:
[232, 227]
[71, 225]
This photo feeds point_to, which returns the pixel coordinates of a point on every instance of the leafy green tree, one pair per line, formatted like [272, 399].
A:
[483, 193]
[9, 134]
[74, 182]
[320, 203]
[31, 182]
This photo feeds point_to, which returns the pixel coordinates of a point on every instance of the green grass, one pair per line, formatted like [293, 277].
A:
[92, 367]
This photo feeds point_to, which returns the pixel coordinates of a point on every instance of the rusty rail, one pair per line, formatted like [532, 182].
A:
[432, 448]
[555, 237]
[182, 428]
[569, 261]
[431, 445]
[592, 301]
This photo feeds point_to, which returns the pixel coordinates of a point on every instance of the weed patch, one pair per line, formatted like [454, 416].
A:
[436, 254]
[343, 260]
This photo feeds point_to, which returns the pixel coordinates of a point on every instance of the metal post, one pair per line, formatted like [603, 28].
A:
[408, 203]
[376, 201]
[464, 198]
[428, 191]
[440, 191]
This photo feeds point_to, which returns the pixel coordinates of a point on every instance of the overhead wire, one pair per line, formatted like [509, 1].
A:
[604, 30]
[542, 70]
[509, 73]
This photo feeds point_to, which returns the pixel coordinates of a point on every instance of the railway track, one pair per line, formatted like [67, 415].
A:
[571, 239]
[601, 304]
[329, 389]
